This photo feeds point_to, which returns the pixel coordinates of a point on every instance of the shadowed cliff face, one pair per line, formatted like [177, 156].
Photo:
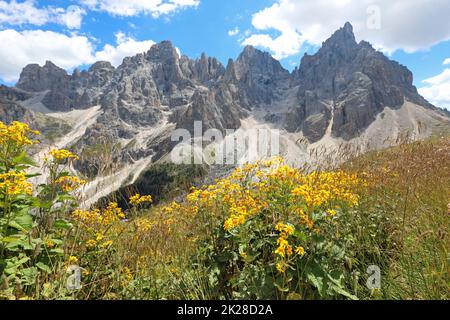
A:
[351, 82]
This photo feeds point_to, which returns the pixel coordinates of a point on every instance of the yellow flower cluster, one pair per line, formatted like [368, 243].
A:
[268, 192]
[284, 248]
[137, 199]
[241, 209]
[73, 260]
[15, 183]
[70, 183]
[17, 133]
[127, 276]
[97, 219]
[144, 225]
[99, 225]
[62, 154]
[321, 188]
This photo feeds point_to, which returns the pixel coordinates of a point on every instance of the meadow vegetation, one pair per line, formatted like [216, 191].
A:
[267, 231]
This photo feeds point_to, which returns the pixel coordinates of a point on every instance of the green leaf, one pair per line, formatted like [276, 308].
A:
[12, 265]
[315, 276]
[65, 197]
[281, 287]
[14, 242]
[22, 222]
[57, 251]
[29, 276]
[44, 267]
[344, 293]
[23, 158]
[63, 224]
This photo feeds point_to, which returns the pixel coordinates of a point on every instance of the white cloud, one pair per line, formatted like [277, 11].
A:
[37, 46]
[26, 12]
[446, 61]
[408, 25]
[233, 32]
[285, 45]
[66, 51]
[437, 89]
[18, 13]
[126, 47]
[128, 8]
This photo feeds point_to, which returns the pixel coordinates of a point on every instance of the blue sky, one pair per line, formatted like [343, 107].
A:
[75, 33]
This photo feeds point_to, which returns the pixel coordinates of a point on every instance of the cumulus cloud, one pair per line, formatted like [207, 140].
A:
[66, 51]
[129, 8]
[126, 46]
[437, 89]
[27, 12]
[37, 46]
[388, 25]
[233, 32]
[446, 61]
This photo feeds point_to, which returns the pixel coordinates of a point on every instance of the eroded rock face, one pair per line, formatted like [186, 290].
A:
[10, 108]
[353, 82]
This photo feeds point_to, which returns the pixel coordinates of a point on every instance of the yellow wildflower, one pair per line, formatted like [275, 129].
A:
[106, 244]
[300, 251]
[137, 199]
[281, 267]
[62, 154]
[15, 183]
[16, 133]
[91, 243]
[73, 260]
[50, 243]
[331, 212]
[70, 183]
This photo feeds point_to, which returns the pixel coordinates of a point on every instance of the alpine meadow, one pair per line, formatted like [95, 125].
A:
[314, 166]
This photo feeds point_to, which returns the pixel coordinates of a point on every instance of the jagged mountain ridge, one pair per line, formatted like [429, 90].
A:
[344, 93]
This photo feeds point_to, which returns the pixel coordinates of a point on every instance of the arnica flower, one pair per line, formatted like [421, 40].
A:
[281, 267]
[91, 243]
[18, 133]
[300, 251]
[70, 183]
[331, 212]
[62, 154]
[49, 243]
[15, 183]
[106, 244]
[73, 260]
[137, 199]
[284, 228]
[284, 248]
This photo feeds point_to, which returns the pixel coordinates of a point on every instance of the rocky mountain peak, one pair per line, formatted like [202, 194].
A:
[342, 37]
[99, 65]
[257, 62]
[230, 72]
[163, 51]
[35, 78]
